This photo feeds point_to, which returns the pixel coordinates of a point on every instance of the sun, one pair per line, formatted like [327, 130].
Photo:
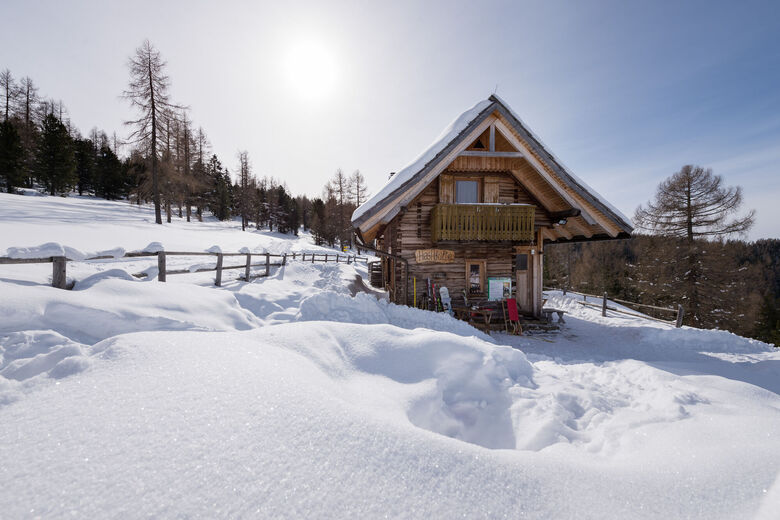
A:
[311, 69]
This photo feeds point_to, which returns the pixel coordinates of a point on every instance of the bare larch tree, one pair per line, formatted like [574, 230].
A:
[245, 174]
[693, 204]
[10, 92]
[148, 93]
[357, 188]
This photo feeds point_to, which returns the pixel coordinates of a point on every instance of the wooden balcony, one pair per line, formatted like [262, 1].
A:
[489, 222]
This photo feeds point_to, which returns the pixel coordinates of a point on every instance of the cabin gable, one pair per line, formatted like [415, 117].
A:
[475, 212]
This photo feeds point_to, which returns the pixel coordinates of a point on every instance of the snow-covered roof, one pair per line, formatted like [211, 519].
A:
[449, 134]
[462, 125]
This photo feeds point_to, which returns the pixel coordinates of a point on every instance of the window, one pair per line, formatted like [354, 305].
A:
[521, 262]
[466, 192]
[475, 276]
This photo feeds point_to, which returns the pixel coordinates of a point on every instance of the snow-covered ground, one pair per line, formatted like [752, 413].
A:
[301, 395]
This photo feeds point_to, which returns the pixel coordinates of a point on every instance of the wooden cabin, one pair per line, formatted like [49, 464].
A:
[475, 210]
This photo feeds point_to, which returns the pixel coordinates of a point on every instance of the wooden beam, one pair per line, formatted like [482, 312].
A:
[579, 228]
[561, 230]
[492, 138]
[541, 170]
[474, 153]
[531, 186]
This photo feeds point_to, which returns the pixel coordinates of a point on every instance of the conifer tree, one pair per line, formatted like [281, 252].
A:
[55, 162]
[85, 155]
[11, 156]
[111, 182]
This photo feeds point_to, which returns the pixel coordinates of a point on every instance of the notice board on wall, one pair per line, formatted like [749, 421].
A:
[499, 287]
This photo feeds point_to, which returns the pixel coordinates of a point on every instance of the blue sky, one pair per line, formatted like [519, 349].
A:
[625, 93]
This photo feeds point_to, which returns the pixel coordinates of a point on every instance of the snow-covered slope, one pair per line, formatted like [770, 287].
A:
[300, 396]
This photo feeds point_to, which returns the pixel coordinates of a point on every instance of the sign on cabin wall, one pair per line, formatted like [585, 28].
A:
[499, 288]
[434, 256]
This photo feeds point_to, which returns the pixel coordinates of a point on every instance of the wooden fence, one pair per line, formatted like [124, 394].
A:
[678, 311]
[59, 263]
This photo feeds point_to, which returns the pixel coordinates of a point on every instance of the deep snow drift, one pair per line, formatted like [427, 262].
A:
[298, 396]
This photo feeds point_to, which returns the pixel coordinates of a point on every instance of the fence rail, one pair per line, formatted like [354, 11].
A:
[678, 311]
[59, 263]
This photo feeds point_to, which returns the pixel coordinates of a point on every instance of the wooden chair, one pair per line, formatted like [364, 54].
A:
[511, 316]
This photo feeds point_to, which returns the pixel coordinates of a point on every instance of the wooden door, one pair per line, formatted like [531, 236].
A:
[524, 279]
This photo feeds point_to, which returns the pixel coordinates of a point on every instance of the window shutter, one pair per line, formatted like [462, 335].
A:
[491, 190]
[446, 189]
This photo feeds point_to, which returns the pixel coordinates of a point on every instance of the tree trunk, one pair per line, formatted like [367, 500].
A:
[155, 187]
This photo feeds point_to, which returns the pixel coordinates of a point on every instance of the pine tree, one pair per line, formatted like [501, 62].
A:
[218, 197]
[85, 155]
[110, 174]
[55, 161]
[11, 156]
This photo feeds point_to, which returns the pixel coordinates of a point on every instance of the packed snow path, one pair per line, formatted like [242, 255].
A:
[296, 396]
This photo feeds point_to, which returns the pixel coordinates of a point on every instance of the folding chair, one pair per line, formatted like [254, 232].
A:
[511, 316]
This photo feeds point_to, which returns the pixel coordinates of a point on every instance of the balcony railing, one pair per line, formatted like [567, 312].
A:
[513, 222]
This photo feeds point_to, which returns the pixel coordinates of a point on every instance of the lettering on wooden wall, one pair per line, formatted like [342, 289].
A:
[434, 256]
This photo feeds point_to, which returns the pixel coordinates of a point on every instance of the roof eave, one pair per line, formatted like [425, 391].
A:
[425, 169]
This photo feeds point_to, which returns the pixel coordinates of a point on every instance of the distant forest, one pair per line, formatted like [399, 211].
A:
[740, 286]
[166, 161]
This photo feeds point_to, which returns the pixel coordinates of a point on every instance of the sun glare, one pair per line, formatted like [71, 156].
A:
[311, 69]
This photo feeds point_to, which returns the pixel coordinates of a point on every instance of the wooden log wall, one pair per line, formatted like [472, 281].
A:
[411, 230]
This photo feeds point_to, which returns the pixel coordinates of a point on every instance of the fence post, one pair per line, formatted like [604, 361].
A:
[293, 256]
[303, 257]
[267, 264]
[58, 275]
[312, 258]
[248, 264]
[337, 259]
[604, 305]
[680, 314]
[218, 281]
[284, 259]
[160, 266]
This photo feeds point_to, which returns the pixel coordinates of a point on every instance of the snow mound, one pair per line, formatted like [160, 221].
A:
[448, 384]
[44, 251]
[113, 304]
[115, 252]
[91, 280]
[33, 354]
[367, 309]
[153, 247]
[593, 406]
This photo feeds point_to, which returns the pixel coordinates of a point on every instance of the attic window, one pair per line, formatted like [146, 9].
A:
[466, 192]
[478, 144]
